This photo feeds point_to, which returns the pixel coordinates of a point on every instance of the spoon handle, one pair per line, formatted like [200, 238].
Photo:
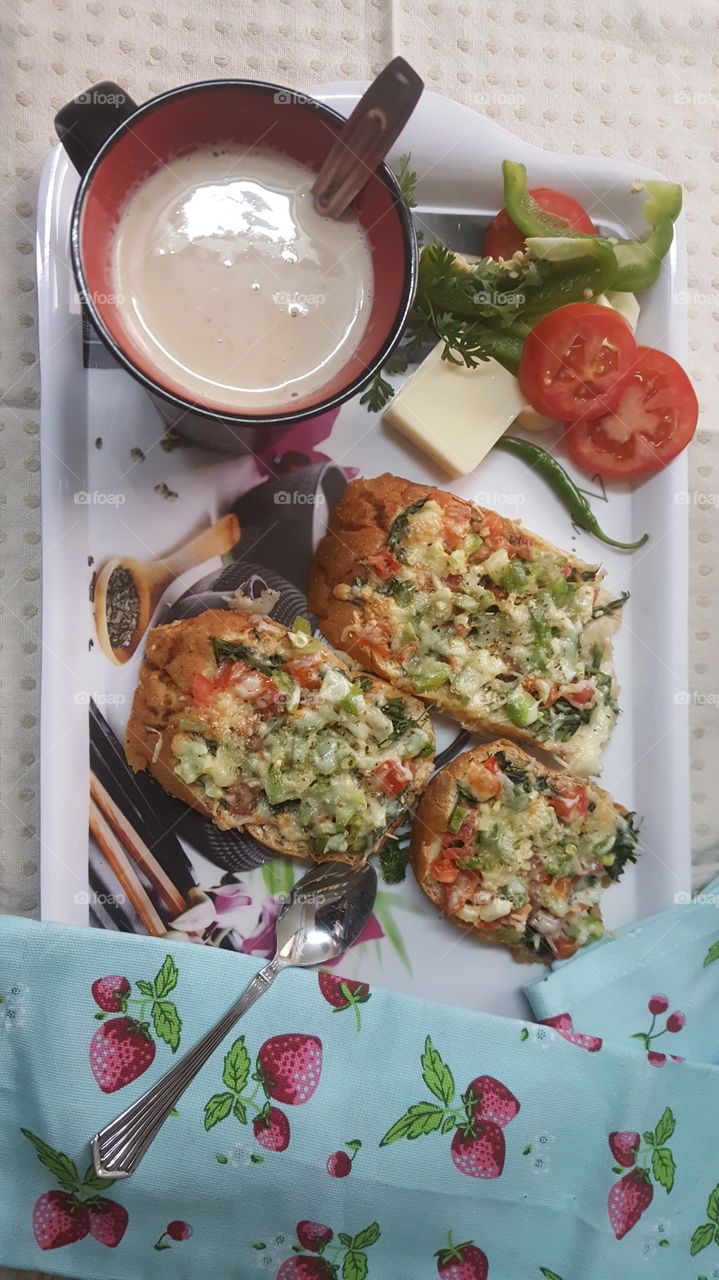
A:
[363, 142]
[119, 1147]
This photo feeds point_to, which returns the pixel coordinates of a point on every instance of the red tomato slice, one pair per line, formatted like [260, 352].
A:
[654, 419]
[504, 238]
[572, 803]
[575, 361]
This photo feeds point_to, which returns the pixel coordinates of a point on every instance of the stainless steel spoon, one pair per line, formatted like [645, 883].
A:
[325, 913]
[366, 137]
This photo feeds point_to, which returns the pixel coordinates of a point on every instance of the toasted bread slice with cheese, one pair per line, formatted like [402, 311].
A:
[482, 619]
[268, 729]
[517, 853]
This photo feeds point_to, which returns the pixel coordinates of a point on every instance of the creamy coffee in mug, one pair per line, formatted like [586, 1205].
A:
[232, 284]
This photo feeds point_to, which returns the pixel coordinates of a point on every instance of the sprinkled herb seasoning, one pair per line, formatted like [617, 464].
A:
[122, 605]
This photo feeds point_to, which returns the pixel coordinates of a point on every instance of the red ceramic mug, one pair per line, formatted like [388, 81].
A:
[115, 145]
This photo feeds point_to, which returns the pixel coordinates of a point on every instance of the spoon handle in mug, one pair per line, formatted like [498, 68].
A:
[119, 1147]
[363, 142]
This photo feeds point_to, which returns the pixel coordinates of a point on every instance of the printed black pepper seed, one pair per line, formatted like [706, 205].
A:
[90, 561]
[137, 455]
[93, 580]
[173, 440]
[98, 442]
[122, 608]
[165, 491]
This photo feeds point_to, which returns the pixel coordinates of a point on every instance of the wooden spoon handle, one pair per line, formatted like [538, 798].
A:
[363, 142]
[215, 541]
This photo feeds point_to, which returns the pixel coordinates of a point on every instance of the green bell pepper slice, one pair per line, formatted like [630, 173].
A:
[524, 211]
[639, 261]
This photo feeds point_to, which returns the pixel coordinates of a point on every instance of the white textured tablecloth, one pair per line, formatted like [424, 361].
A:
[613, 78]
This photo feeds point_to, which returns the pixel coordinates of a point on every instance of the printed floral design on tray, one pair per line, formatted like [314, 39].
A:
[12, 1007]
[461, 1261]
[287, 1070]
[712, 954]
[649, 1160]
[320, 1254]
[177, 1231]
[674, 1023]
[478, 1119]
[123, 1048]
[77, 1209]
[344, 993]
[708, 1231]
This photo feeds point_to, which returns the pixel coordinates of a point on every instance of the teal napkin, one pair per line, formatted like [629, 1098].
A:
[361, 1134]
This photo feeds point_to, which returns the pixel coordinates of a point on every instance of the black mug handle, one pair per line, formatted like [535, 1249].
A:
[85, 123]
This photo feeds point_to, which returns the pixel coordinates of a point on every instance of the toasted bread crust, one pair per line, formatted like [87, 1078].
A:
[435, 807]
[357, 529]
[173, 655]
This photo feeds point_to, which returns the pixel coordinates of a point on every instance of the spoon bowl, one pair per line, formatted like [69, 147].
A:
[325, 913]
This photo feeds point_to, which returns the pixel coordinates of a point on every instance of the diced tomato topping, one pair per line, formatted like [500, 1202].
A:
[225, 673]
[492, 765]
[406, 652]
[445, 871]
[457, 519]
[572, 803]
[202, 688]
[384, 563]
[563, 947]
[578, 695]
[492, 528]
[566, 570]
[373, 639]
[305, 669]
[454, 581]
[391, 776]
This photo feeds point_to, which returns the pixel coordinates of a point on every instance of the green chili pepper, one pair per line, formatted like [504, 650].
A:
[639, 261]
[573, 271]
[564, 487]
[523, 209]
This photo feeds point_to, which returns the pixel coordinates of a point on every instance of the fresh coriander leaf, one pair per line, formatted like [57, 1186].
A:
[407, 179]
[393, 859]
[378, 394]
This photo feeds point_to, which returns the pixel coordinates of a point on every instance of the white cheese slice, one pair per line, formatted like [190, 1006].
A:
[624, 303]
[455, 414]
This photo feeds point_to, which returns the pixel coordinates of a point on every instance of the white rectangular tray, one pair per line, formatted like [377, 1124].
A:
[98, 502]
